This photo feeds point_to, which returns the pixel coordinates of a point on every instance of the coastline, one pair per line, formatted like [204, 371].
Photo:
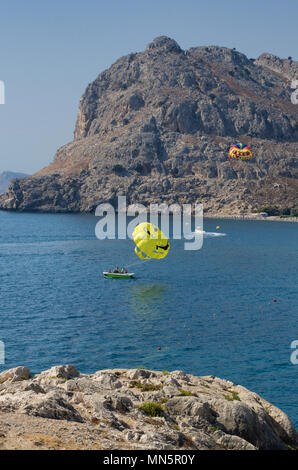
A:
[274, 218]
[207, 216]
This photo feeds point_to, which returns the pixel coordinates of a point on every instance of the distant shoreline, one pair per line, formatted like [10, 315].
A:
[208, 216]
[273, 218]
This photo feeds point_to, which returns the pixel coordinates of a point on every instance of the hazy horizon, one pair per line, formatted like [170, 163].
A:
[50, 52]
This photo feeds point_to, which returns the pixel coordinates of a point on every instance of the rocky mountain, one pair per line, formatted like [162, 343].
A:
[61, 408]
[157, 125]
[285, 67]
[6, 177]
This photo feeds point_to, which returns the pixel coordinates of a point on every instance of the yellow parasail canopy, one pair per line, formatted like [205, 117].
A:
[150, 241]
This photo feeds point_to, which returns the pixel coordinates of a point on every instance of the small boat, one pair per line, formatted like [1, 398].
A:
[118, 275]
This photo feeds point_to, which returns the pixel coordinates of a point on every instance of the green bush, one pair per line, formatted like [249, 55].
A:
[164, 400]
[139, 168]
[118, 169]
[145, 387]
[186, 393]
[270, 210]
[234, 396]
[279, 211]
[152, 408]
[285, 211]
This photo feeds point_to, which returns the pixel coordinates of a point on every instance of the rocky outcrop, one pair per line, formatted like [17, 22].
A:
[62, 408]
[286, 67]
[6, 177]
[157, 125]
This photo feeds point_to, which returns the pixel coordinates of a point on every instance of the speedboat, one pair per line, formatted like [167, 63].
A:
[118, 275]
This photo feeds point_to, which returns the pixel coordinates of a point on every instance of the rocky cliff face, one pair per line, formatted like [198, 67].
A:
[157, 126]
[6, 177]
[285, 67]
[62, 408]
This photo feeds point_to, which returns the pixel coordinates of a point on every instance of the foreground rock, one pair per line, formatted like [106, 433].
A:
[135, 409]
[157, 125]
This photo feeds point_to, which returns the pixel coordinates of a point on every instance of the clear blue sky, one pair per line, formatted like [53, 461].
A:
[50, 51]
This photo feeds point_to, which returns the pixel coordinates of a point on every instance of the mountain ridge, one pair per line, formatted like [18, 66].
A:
[157, 125]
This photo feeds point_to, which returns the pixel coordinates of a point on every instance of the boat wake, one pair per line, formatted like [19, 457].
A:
[210, 234]
[214, 234]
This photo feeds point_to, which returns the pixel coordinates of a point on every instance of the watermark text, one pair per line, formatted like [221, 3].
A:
[294, 95]
[2, 353]
[181, 217]
[294, 355]
[2, 92]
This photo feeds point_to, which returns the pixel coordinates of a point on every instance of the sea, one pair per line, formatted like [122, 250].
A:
[229, 309]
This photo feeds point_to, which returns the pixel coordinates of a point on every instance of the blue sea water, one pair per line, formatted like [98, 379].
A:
[210, 311]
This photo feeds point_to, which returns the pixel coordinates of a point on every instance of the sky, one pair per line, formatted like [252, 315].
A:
[51, 51]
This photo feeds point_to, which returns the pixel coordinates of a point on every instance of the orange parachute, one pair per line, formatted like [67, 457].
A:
[240, 152]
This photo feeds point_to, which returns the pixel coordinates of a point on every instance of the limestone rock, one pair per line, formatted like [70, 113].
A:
[53, 407]
[111, 409]
[16, 374]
